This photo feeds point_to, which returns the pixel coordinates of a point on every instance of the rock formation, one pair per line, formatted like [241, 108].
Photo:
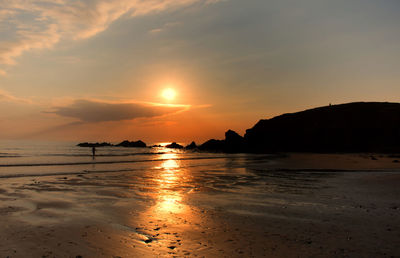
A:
[352, 127]
[137, 144]
[97, 144]
[191, 146]
[174, 145]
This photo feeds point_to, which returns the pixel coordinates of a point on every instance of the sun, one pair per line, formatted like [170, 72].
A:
[168, 94]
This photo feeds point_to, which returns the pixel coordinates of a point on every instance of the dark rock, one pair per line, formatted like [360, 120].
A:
[137, 144]
[352, 127]
[213, 145]
[234, 142]
[88, 144]
[232, 136]
[174, 145]
[191, 146]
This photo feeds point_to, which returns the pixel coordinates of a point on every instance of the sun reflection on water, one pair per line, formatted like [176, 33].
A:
[169, 164]
[169, 196]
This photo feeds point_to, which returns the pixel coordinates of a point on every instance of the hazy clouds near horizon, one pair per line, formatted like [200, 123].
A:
[96, 111]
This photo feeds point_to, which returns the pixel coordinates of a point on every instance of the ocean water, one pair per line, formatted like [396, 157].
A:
[34, 158]
[234, 180]
[168, 174]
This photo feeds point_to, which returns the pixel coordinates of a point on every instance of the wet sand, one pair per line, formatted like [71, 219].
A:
[297, 205]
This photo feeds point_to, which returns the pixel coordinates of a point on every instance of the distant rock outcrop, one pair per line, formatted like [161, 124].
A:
[191, 146]
[352, 127]
[233, 143]
[174, 145]
[97, 144]
[137, 144]
[213, 145]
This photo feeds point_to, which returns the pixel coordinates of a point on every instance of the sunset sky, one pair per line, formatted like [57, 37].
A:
[95, 70]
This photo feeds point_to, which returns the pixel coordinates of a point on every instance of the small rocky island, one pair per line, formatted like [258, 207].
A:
[96, 144]
[134, 144]
[174, 145]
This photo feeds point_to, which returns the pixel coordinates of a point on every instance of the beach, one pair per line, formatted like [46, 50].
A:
[171, 203]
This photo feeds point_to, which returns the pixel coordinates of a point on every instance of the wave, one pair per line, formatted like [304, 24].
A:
[98, 171]
[269, 171]
[9, 155]
[94, 162]
[65, 173]
[104, 155]
[6, 155]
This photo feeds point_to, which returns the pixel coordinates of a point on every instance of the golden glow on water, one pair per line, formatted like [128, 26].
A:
[170, 203]
[169, 195]
[170, 164]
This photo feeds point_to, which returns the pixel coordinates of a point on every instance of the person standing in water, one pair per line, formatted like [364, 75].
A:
[93, 151]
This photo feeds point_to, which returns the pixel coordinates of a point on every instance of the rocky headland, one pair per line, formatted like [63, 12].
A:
[351, 127]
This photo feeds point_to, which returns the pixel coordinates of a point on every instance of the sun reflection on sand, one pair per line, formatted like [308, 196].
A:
[169, 217]
[170, 203]
[169, 196]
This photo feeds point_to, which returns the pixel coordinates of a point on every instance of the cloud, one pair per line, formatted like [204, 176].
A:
[34, 24]
[4, 96]
[28, 40]
[99, 111]
[164, 27]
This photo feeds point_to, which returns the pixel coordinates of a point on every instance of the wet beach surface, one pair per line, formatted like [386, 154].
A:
[302, 205]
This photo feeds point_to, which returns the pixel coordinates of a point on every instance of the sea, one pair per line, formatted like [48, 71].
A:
[41, 158]
[241, 181]
[152, 169]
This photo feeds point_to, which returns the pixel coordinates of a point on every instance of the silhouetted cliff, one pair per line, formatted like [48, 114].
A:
[352, 127]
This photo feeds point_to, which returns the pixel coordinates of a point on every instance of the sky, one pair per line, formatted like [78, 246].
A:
[95, 70]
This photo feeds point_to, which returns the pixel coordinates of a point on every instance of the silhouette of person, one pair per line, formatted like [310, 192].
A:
[94, 151]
